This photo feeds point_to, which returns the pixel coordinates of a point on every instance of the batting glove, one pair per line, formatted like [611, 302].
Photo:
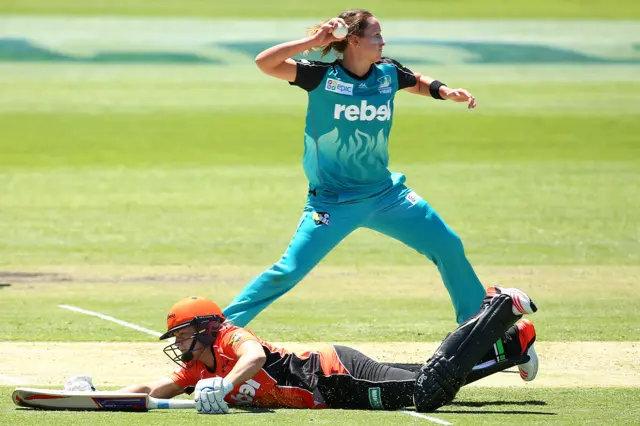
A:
[79, 384]
[210, 393]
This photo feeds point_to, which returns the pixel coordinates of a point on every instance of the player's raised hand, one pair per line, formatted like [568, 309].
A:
[324, 34]
[458, 95]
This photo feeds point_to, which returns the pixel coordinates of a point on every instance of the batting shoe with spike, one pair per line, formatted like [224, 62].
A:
[522, 304]
[527, 336]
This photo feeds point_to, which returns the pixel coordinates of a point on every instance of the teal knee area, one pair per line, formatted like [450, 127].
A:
[286, 273]
[446, 243]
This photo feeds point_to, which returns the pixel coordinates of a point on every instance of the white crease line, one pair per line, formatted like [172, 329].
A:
[4, 377]
[422, 416]
[112, 319]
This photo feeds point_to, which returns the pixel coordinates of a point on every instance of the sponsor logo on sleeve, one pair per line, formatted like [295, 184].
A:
[235, 338]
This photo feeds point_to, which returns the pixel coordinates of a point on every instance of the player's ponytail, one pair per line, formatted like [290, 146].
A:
[356, 21]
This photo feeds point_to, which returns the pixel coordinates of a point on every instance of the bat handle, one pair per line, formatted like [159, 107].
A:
[170, 403]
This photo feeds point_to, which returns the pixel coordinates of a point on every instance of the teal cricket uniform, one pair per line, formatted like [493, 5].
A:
[345, 159]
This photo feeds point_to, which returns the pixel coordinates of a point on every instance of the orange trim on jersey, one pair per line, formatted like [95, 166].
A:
[330, 362]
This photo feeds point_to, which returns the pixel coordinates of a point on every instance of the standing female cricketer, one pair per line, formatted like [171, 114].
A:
[346, 138]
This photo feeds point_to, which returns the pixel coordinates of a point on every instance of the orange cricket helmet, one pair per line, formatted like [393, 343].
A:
[183, 313]
[200, 312]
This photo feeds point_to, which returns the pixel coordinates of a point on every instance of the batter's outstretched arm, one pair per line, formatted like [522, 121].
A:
[164, 388]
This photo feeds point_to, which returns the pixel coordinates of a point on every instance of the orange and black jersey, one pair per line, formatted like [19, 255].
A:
[285, 380]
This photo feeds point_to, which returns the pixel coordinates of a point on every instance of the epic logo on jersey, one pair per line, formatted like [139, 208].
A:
[364, 112]
[337, 86]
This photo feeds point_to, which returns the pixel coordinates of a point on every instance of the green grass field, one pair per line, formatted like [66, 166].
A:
[129, 182]
[484, 407]
[432, 9]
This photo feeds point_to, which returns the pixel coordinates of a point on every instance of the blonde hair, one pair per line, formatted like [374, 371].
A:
[356, 20]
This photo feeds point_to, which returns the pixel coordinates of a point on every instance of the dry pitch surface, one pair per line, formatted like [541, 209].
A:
[562, 364]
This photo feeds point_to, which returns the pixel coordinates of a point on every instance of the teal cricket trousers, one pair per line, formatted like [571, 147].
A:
[399, 213]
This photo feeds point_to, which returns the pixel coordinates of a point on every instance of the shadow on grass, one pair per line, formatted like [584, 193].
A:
[481, 404]
[485, 403]
[253, 410]
[532, 413]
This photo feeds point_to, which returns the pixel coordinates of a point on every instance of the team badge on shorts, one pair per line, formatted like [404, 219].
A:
[321, 218]
[413, 198]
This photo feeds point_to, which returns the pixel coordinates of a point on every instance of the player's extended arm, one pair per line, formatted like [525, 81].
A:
[251, 359]
[423, 87]
[276, 61]
[164, 388]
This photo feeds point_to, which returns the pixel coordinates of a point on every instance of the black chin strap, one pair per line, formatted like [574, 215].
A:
[215, 362]
[188, 355]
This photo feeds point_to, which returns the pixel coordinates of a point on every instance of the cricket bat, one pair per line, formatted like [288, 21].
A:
[50, 399]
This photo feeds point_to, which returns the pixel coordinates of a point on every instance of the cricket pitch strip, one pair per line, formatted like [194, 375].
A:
[562, 364]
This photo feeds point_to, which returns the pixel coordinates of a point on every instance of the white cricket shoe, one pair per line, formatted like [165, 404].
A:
[527, 336]
[522, 304]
